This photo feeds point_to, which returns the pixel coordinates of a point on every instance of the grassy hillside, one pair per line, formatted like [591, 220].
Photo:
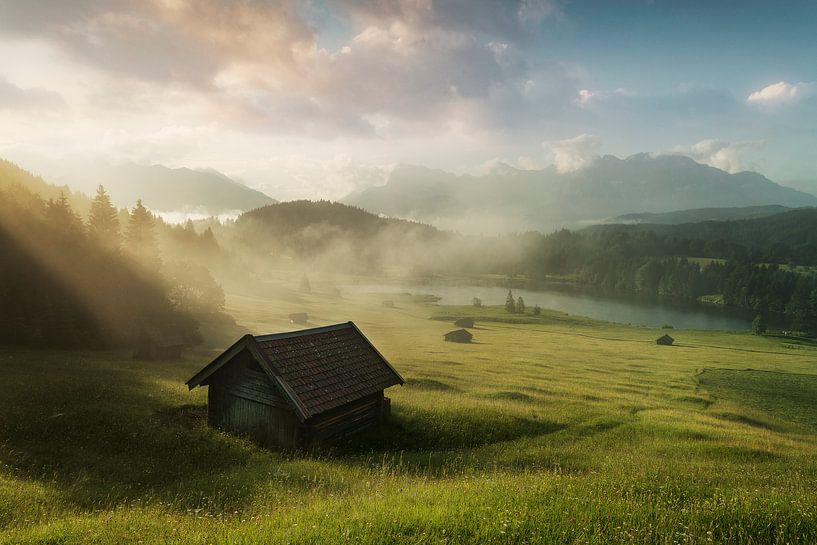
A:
[562, 431]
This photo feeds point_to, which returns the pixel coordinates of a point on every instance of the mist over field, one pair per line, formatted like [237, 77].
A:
[408, 271]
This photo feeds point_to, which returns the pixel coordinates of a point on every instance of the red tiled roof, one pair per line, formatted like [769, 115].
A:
[328, 367]
[318, 369]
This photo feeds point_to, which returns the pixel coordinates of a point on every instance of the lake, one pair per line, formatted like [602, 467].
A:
[649, 313]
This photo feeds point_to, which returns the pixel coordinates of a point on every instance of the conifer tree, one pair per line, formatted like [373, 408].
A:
[62, 219]
[510, 304]
[141, 234]
[103, 221]
[520, 305]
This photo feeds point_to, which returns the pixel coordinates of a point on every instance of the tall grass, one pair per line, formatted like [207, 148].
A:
[560, 431]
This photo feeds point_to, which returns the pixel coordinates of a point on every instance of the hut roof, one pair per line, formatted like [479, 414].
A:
[459, 334]
[316, 369]
[465, 322]
[665, 339]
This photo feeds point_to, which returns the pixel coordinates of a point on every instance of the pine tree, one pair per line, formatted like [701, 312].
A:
[520, 305]
[141, 234]
[510, 304]
[759, 325]
[62, 219]
[103, 221]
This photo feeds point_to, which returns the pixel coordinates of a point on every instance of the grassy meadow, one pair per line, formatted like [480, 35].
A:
[546, 429]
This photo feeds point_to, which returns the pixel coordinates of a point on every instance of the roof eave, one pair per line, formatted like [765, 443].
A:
[199, 378]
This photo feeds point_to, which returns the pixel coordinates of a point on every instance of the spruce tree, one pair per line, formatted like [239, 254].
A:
[62, 219]
[520, 305]
[510, 304]
[103, 221]
[141, 234]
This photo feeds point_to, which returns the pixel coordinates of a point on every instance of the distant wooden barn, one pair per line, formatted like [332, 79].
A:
[158, 344]
[665, 340]
[301, 318]
[464, 322]
[293, 389]
[458, 336]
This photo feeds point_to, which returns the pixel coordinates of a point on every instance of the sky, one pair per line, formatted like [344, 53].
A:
[318, 98]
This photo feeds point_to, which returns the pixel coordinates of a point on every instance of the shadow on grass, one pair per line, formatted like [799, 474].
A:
[506, 395]
[416, 429]
[105, 436]
[430, 384]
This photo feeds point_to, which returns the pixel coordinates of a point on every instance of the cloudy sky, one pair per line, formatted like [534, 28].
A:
[309, 98]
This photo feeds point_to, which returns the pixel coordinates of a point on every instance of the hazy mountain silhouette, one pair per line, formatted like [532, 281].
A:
[168, 189]
[511, 199]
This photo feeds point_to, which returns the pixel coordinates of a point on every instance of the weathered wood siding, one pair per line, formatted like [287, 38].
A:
[243, 400]
[349, 418]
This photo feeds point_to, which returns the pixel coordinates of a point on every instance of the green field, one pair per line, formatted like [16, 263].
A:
[563, 430]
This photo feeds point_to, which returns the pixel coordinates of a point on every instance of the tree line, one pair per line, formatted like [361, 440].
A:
[98, 281]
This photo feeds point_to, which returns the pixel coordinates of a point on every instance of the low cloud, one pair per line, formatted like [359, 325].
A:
[729, 156]
[13, 97]
[572, 153]
[782, 94]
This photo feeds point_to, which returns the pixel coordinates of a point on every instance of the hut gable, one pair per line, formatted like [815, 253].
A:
[665, 340]
[329, 379]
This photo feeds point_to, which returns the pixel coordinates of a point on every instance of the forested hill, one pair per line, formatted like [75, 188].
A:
[327, 231]
[96, 279]
[789, 237]
[12, 177]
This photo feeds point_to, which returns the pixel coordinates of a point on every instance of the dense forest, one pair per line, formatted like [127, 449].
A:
[96, 281]
[786, 238]
[645, 262]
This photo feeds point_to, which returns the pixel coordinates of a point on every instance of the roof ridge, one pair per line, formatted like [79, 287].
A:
[302, 332]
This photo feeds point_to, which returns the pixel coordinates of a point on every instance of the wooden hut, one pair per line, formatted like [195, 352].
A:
[665, 340]
[464, 322]
[301, 318]
[388, 303]
[293, 389]
[458, 336]
[158, 344]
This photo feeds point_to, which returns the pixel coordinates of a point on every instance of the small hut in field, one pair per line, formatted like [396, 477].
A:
[665, 340]
[388, 303]
[458, 336]
[301, 318]
[298, 388]
[158, 344]
[464, 322]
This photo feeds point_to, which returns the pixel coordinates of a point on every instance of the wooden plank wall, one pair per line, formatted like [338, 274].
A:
[347, 419]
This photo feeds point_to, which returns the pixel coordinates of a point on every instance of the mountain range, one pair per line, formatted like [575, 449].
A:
[163, 189]
[510, 199]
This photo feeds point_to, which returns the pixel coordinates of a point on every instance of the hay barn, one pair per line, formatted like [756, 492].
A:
[665, 340]
[158, 344]
[464, 322]
[458, 336]
[298, 388]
